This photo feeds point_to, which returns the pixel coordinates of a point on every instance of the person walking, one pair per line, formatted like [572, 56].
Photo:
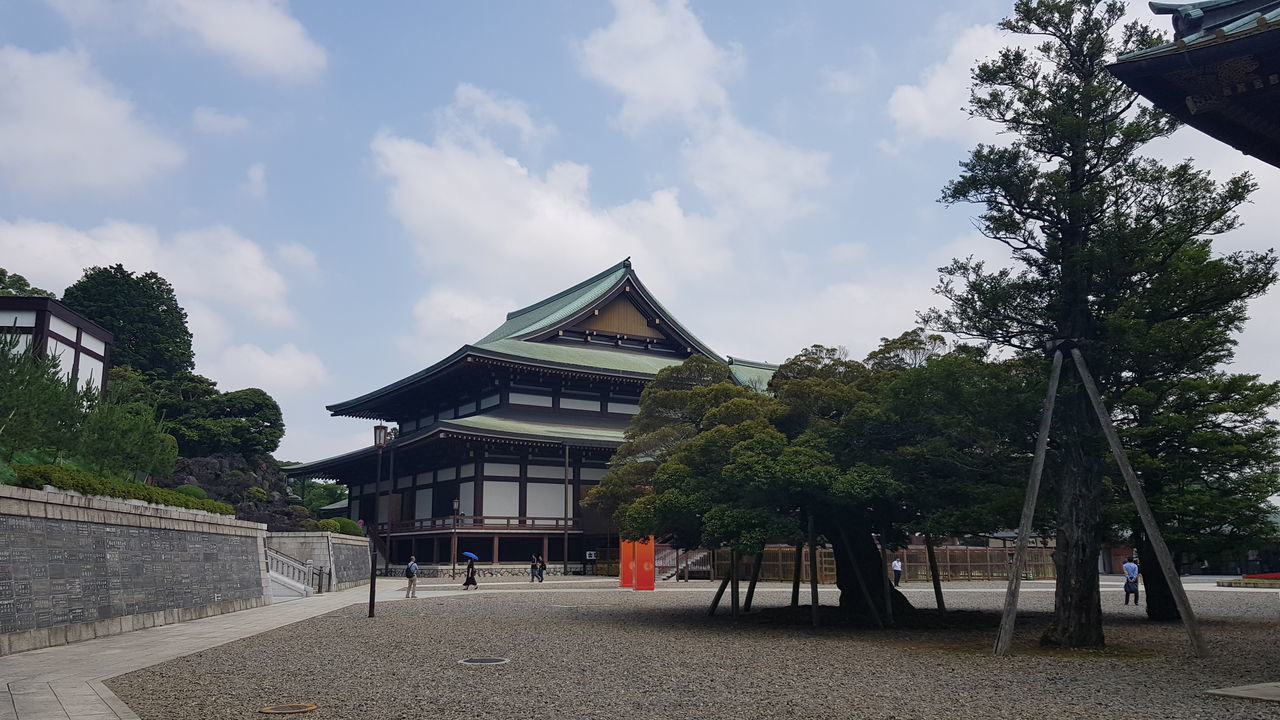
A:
[411, 573]
[542, 568]
[470, 582]
[1130, 581]
[533, 567]
[897, 571]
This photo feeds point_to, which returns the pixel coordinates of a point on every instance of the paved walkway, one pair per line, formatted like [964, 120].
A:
[65, 682]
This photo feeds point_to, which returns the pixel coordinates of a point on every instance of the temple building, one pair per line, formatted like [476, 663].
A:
[51, 329]
[495, 445]
[1220, 74]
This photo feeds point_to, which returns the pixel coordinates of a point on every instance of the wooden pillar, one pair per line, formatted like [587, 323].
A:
[495, 550]
[813, 572]
[733, 583]
[546, 545]
[435, 550]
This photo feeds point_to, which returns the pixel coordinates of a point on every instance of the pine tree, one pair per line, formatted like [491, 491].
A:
[1113, 252]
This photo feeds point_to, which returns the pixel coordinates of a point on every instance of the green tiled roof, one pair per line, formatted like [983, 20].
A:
[581, 356]
[1218, 21]
[752, 374]
[522, 429]
[559, 306]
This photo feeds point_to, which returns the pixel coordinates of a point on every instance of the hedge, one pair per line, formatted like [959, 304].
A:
[347, 526]
[69, 478]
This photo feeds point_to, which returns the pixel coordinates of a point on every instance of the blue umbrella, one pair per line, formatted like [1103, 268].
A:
[471, 555]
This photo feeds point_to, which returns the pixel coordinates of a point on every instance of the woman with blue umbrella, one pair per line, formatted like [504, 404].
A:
[470, 582]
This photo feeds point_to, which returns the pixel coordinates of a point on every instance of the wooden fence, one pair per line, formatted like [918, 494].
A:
[955, 562]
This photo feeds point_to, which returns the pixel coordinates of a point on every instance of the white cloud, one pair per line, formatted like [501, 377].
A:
[287, 370]
[220, 278]
[476, 109]
[298, 257]
[260, 37]
[255, 182]
[751, 173]
[933, 108]
[64, 128]
[658, 57]
[212, 265]
[215, 122]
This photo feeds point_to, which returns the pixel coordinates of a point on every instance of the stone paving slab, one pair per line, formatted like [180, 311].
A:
[1262, 691]
[65, 682]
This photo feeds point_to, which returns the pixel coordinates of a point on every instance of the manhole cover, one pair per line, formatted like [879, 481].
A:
[483, 661]
[289, 709]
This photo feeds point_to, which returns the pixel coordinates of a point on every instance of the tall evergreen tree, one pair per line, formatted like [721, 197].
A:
[143, 314]
[1113, 252]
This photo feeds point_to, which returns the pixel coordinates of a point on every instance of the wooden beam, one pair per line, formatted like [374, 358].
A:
[1005, 637]
[1170, 571]
[755, 577]
[813, 573]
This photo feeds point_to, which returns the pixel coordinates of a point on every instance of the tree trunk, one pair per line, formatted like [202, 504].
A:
[715, 601]
[1154, 588]
[861, 550]
[933, 573]
[813, 573]
[755, 577]
[795, 580]
[884, 574]
[1077, 612]
[862, 582]
[733, 583]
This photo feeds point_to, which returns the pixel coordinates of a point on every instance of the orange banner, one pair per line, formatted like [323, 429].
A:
[644, 564]
[626, 563]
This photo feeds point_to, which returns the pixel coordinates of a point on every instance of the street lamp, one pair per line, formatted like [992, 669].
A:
[453, 546]
[379, 442]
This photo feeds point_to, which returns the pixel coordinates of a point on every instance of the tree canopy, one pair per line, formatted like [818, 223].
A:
[1110, 250]
[14, 284]
[142, 312]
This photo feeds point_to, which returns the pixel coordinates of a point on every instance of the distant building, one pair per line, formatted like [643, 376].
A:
[81, 346]
[498, 443]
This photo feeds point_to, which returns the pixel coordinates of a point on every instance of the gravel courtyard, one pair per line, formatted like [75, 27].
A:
[589, 651]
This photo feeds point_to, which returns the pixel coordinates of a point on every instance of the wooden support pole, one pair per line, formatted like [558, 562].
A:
[933, 573]
[1198, 647]
[715, 601]
[1005, 638]
[733, 583]
[884, 576]
[813, 572]
[795, 580]
[862, 581]
[755, 576]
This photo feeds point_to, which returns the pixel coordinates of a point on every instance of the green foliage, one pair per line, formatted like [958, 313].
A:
[143, 314]
[69, 478]
[331, 525]
[121, 439]
[192, 491]
[347, 526]
[39, 409]
[15, 284]
[208, 422]
[316, 495]
[1112, 250]
[256, 494]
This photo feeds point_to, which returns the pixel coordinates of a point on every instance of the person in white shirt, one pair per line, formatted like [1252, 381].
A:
[897, 571]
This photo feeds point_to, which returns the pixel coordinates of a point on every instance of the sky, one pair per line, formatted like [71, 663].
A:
[343, 193]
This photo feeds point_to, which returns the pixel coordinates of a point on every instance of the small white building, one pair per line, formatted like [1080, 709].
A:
[81, 346]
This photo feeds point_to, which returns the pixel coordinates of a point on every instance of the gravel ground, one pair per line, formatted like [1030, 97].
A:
[583, 652]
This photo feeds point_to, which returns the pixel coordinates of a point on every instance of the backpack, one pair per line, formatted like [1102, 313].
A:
[408, 571]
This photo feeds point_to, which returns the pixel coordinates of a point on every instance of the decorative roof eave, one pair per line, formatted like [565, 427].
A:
[631, 286]
[367, 406]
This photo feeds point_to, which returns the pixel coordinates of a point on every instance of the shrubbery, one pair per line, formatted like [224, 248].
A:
[256, 494]
[69, 478]
[347, 526]
[330, 525]
[192, 491]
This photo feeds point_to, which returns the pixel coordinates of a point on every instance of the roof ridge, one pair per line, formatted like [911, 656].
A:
[626, 263]
[752, 363]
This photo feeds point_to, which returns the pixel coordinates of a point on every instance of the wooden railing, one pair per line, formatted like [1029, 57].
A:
[480, 522]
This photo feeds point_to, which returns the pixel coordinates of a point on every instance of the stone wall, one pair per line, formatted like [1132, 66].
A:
[74, 567]
[346, 555]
